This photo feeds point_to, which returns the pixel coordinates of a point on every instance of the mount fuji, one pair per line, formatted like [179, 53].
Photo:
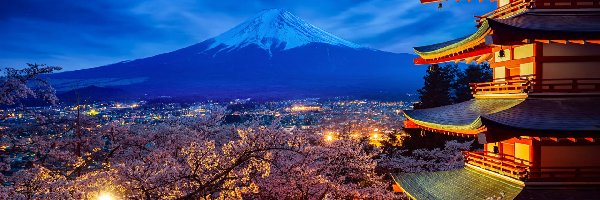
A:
[272, 55]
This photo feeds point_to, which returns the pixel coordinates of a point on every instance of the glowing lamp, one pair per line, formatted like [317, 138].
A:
[105, 196]
[501, 53]
[375, 136]
[329, 138]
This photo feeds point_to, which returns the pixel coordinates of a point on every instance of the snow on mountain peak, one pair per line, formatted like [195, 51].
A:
[274, 28]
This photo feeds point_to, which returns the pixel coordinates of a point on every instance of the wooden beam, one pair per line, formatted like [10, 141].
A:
[491, 59]
[484, 57]
[593, 41]
[537, 138]
[421, 61]
[559, 41]
[572, 139]
[542, 41]
[589, 139]
[430, 1]
[469, 60]
[516, 62]
[576, 41]
[570, 59]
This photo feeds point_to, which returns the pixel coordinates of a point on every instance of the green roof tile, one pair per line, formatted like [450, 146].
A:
[465, 183]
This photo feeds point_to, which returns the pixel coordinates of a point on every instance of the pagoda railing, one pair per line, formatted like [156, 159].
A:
[566, 4]
[560, 174]
[501, 164]
[524, 170]
[500, 87]
[529, 84]
[508, 10]
[575, 85]
[520, 6]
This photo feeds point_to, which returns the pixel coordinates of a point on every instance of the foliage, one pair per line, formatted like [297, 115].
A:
[436, 90]
[445, 85]
[437, 159]
[73, 158]
[471, 74]
[17, 84]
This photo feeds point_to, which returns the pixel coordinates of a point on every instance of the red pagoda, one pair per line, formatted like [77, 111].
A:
[539, 120]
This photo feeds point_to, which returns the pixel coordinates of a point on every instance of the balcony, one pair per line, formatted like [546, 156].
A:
[507, 10]
[529, 85]
[524, 170]
[501, 164]
[520, 6]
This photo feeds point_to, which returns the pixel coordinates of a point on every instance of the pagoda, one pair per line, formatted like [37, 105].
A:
[538, 120]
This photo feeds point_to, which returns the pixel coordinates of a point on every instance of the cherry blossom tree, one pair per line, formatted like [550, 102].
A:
[437, 159]
[73, 156]
[341, 169]
[17, 84]
[202, 158]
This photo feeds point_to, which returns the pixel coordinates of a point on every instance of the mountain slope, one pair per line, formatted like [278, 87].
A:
[276, 29]
[274, 54]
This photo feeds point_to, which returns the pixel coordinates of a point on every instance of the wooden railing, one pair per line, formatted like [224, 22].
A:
[520, 169]
[576, 85]
[500, 87]
[514, 168]
[529, 84]
[571, 174]
[566, 4]
[508, 10]
[520, 6]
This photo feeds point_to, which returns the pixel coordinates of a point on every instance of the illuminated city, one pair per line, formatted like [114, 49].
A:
[300, 100]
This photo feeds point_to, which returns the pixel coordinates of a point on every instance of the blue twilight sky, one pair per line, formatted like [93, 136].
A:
[78, 34]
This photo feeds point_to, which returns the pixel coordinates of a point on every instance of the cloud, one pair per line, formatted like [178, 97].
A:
[81, 34]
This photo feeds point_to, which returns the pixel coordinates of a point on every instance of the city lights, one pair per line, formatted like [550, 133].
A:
[375, 136]
[305, 108]
[329, 137]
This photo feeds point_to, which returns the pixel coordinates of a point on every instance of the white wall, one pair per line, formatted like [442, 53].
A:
[499, 73]
[526, 69]
[524, 51]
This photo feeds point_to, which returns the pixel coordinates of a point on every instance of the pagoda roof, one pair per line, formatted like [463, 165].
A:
[533, 116]
[551, 114]
[454, 46]
[540, 25]
[437, 46]
[472, 183]
[461, 117]
[546, 26]
[464, 183]
[565, 21]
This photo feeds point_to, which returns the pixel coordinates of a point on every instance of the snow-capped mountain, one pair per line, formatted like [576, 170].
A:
[273, 54]
[276, 29]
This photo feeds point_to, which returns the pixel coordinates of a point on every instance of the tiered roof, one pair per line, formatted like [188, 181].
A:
[463, 118]
[566, 26]
[534, 116]
[465, 183]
